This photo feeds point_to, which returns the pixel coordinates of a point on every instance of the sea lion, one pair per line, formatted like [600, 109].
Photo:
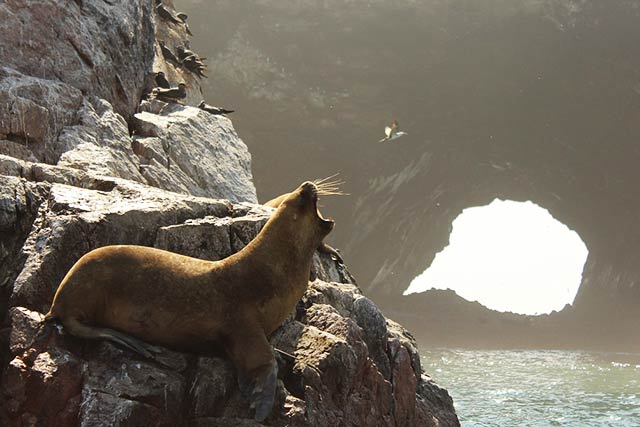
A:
[325, 186]
[159, 297]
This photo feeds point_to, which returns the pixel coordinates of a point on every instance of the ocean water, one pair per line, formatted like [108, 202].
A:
[539, 388]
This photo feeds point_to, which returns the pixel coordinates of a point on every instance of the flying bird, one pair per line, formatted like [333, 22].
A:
[392, 132]
[161, 80]
[216, 111]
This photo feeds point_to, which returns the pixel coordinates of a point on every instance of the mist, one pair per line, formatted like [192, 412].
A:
[518, 100]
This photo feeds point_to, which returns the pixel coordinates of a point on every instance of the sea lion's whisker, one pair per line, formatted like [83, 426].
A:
[326, 189]
[329, 186]
[331, 193]
[331, 178]
[321, 180]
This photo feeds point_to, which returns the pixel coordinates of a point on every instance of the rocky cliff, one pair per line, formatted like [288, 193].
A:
[84, 164]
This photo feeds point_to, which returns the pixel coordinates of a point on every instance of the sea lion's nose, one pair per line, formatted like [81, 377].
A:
[309, 187]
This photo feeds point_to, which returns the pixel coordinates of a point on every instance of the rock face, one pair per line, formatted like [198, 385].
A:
[187, 150]
[82, 165]
[63, 50]
[69, 90]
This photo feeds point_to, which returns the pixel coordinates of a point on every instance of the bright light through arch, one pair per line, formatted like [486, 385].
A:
[509, 256]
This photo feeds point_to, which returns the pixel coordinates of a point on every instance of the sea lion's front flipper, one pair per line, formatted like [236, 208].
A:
[257, 369]
[264, 392]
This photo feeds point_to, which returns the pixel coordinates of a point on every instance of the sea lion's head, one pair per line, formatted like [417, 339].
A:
[301, 206]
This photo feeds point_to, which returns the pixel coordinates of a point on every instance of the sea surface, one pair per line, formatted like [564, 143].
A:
[539, 388]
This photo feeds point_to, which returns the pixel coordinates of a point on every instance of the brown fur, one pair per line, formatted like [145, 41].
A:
[182, 302]
[322, 247]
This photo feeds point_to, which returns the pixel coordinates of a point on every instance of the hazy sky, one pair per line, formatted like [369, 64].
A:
[509, 256]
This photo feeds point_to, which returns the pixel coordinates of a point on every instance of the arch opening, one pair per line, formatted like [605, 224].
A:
[508, 256]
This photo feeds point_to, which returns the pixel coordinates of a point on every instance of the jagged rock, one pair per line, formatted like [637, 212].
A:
[187, 150]
[33, 111]
[211, 238]
[99, 48]
[19, 203]
[99, 144]
[68, 87]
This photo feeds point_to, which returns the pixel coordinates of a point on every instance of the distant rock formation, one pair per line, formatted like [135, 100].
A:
[83, 165]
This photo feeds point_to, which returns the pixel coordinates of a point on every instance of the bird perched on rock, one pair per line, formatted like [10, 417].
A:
[161, 80]
[166, 52]
[166, 14]
[173, 94]
[216, 111]
[194, 65]
[184, 52]
[392, 132]
[183, 17]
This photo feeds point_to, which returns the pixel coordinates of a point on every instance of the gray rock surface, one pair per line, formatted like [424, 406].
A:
[187, 150]
[97, 47]
[69, 90]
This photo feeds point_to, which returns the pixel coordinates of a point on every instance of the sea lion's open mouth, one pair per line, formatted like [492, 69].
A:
[327, 222]
[314, 191]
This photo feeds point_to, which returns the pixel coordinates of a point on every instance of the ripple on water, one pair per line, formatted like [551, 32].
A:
[539, 388]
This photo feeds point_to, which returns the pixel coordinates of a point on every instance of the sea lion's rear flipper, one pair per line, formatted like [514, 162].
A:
[257, 369]
[78, 329]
